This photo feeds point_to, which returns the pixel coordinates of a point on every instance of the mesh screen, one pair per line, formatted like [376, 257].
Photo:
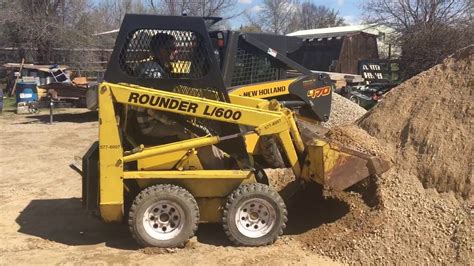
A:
[252, 66]
[208, 93]
[210, 126]
[174, 54]
[171, 54]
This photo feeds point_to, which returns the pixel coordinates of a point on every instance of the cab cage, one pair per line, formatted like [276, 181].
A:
[196, 72]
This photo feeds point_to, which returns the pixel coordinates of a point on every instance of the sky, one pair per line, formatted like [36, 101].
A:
[349, 9]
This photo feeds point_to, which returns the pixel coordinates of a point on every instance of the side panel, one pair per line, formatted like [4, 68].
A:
[315, 91]
[210, 188]
[110, 157]
[263, 90]
[210, 209]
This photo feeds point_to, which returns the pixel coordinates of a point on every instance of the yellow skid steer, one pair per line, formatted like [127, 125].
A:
[163, 185]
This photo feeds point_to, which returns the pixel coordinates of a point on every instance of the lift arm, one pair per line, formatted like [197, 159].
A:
[265, 122]
[280, 123]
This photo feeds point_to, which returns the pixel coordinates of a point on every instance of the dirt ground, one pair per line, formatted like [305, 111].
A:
[43, 221]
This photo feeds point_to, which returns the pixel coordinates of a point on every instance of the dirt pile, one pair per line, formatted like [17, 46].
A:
[407, 224]
[343, 112]
[427, 122]
[401, 217]
[353, 137]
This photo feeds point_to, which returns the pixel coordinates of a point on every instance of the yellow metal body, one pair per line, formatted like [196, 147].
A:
[110, 160]
[177, 163]
[252, 95]
[338, 167]
[177, 147]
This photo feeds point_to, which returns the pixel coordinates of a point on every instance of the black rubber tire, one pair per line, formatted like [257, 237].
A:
[33, 108]
[238, 197]
[149, 196]
[270, 152]
[354, 99]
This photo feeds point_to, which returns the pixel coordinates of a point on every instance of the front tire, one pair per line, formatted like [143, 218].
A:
[163, 216]
[254, 215]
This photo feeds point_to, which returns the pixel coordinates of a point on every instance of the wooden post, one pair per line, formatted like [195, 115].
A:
[16, 80]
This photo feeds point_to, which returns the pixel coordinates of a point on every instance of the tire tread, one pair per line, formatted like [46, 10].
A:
[246, 189]
[156, 190]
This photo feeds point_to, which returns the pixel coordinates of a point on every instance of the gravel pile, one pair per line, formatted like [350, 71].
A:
[343, 112]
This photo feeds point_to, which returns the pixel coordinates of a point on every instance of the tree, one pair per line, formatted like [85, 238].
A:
[250, 28]
[204, 8]
[41, 25]
[283, 16]
[272, 15]
[45, 31]
[276, 14]
[311, 16]
[111, 12]
[428, 30]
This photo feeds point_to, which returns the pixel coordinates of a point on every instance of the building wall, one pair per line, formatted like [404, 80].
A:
[337, 54]
[356, 47]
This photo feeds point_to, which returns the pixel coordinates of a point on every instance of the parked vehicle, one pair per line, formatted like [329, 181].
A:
[367, 95]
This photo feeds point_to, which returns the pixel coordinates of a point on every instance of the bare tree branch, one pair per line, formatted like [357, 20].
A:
[429, 30]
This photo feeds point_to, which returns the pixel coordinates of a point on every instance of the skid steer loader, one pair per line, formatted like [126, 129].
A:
[162, 186]
[256, 65]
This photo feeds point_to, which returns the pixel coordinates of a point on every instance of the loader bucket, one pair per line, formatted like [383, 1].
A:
[338, 167]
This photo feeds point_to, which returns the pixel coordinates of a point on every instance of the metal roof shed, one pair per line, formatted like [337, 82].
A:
[336, 49]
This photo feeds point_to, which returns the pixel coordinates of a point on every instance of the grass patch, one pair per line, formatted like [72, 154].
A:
[9, 104]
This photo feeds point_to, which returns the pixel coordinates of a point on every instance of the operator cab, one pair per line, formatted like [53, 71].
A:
[191, 69]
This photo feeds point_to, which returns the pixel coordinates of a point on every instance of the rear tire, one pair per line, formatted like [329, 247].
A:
[163, 216]
[254, 215]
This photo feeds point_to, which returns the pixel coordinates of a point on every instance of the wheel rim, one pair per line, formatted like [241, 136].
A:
[163, 220]
[255, 218]
[354, 99]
